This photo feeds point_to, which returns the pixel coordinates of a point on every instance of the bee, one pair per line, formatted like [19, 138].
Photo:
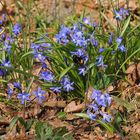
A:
[78, 60]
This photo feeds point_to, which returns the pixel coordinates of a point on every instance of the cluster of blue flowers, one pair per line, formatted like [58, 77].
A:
[78, 35]
[6, 41]
[100, 103]
[22, 95]
[46, 75]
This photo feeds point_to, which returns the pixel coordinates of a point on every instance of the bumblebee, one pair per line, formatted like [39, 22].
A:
[78, 60]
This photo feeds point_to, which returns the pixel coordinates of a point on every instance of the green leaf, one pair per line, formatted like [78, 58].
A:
[68, 136]
[26, 54]
[65, 71]
[125, 25]
[43, 131]
[126, 104]
[138, 50]
[30, 84]
[29, 124]
[13, 122]
[83, 115]
[19, 71]
[106, 126]
[22, 121]
[133, 30]
[61, 115]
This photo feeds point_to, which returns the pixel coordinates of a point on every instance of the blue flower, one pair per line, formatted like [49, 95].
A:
[100, 62]
[40, 56]
[6, 63]
[101, 50]
[39, 94]
[110, 39]
[67, 85]
[95, 94]
[0, 29]
[121, 14]
[62, 37]
[65, 80]
[78, 39]
[1, 22]
[101, 101]
[91, 115]
[1, 72]
[17, 85]
[17, 29]
[7, 47]
[34, 46]
[44, 65]
[108, 99]
[94, 106]
[82, 71]
[9, 91]
[3, 36]
[56, 89]
[124, 12]
[119, 40]
[118, 15]
[106, 117]
[47, 76]
[122, 48]
[4, 17]
[94, 42]
[10, 39]
[94, 24]
[86, 20]
[24, 97]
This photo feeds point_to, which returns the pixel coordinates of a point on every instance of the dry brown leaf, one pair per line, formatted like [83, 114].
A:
[72, 107]
[88, 94]
[70, 117]
[59, 104]
[58, 123]
[138, 69]
[4, 122]
[110, 88]
[133, 5]
[132, 74]
[130, 69]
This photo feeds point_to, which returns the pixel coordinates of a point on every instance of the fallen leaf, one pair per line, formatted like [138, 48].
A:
[110, 88]
[72, 107]
[132, 74]
[131, 68]
[138, 69]
[59, 104]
